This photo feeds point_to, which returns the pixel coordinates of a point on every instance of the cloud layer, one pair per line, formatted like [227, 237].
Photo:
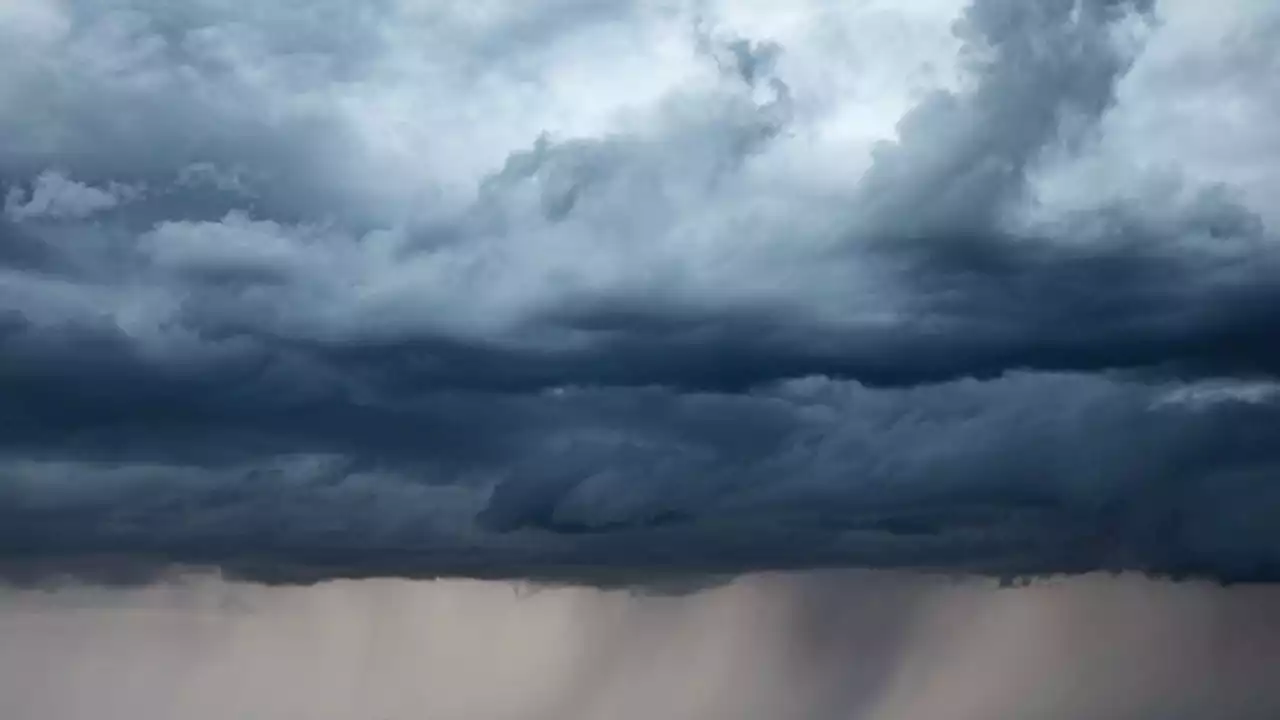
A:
[611, 292]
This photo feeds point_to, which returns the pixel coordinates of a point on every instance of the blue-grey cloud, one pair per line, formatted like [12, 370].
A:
[1024, 475]
[257, 311]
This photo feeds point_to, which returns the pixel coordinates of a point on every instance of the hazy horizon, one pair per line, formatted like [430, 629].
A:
[819, 646]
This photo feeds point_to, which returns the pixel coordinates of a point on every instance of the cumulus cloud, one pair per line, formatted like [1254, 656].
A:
[54, 196]
[608, 292]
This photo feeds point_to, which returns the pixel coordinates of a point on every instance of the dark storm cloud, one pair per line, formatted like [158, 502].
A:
[239, 329]
[1031, 474]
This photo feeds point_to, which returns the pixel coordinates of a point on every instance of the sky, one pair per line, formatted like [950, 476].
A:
[638, 294]
[693, 359]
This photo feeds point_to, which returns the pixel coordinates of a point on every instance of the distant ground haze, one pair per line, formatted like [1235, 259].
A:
[819, 646]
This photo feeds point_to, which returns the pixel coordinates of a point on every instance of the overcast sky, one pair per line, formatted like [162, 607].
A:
[624, 301]
[622, 292]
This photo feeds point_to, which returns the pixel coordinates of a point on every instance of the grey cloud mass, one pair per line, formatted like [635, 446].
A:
[619, 293]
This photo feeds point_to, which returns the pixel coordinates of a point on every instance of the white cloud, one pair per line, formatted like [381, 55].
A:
[54, 196]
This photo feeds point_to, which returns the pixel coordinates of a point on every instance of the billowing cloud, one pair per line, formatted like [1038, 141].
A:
[610, 292]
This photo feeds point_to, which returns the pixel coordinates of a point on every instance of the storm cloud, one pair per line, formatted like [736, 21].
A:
[619, 293]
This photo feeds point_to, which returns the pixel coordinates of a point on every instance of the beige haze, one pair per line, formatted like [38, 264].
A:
[821, 646]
